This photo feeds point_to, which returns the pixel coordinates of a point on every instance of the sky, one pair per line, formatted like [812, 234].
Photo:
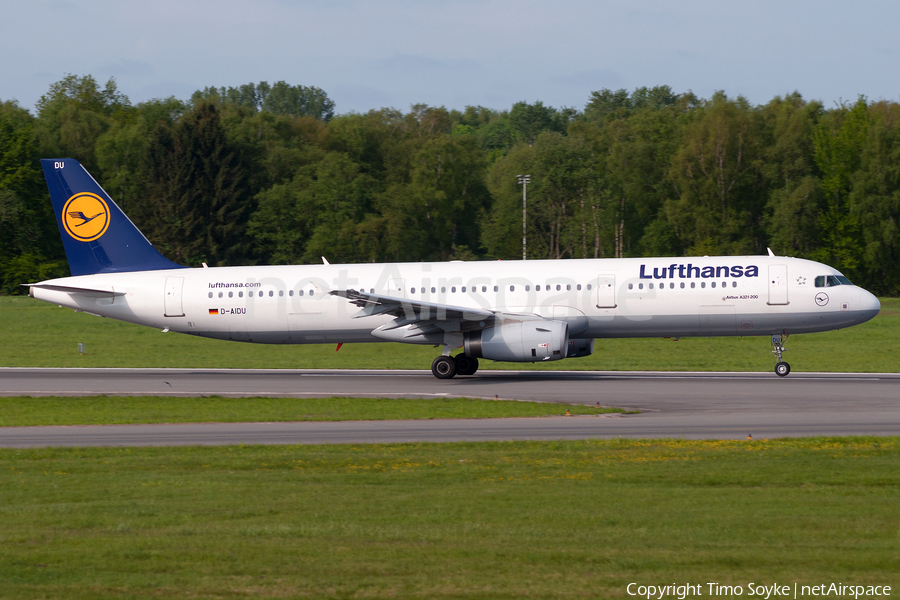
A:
[454, 53]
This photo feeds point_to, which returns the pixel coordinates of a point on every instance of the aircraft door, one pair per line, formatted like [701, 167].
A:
[174, 287]
[606, 291]
[778, 289]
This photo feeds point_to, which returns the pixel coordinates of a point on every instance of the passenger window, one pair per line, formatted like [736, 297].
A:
[527, 288]
[640, 286]
[820, 281]
[702, 284]
[412, 290]
[558, 287]
[220, 294]
[463, 289]
[291, 293]
[210, 294]
[453, 289]
[483, 288]
[734, 284]
[569, 287]
[300, 293]
[589, 286]
[281, 293]
[578, 287]
[537, 288]
[432, 290]
[650, 286]
[713, 284]
[371, 290]
[682, 285]
[496, 289]
[240, 294]
[693, 285]
[230, 294]
[443, 290]
[310, 293]
[630, 286]
[512, 288]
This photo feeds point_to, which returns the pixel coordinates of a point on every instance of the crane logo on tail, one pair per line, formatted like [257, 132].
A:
[85, 216]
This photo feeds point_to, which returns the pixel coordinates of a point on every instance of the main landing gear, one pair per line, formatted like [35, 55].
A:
[781, 367]
[446, 367]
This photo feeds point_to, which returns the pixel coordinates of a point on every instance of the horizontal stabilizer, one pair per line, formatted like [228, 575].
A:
[82, 291]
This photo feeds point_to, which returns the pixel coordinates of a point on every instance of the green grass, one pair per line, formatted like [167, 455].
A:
[37, 334]
[105, 410]
[467, 520]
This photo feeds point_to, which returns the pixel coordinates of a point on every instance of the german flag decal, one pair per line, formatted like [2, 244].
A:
[214, 311]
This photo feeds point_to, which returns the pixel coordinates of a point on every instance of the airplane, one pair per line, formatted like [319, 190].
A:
[515, 311]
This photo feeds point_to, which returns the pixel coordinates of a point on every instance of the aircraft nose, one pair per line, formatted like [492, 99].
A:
[867, 305]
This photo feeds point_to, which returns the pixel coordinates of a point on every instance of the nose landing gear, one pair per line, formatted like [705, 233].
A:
[781, 367]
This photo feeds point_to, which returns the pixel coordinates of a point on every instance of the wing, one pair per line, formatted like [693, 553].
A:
[411, 310]
[417, 321]
[78, 215]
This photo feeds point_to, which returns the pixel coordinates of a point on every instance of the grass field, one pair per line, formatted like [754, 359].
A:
[105, 410]
[465, 520]
[37, 334]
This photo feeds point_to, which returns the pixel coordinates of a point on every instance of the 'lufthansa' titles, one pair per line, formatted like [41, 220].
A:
[690, 271]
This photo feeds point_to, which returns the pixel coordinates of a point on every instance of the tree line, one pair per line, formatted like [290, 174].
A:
[269, 174]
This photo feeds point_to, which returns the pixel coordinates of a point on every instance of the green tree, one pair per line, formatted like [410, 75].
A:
[280, 98]
[719, 207]
[838, 141]
[197, 205]
[796, 200]
[874, 199]
[30, 248]
[75, 112]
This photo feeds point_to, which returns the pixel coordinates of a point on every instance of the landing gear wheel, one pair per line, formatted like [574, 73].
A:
[465, 365]
[781, 367]
[443, 367]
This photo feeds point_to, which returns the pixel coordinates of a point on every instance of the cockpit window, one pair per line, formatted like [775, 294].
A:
[831, 280]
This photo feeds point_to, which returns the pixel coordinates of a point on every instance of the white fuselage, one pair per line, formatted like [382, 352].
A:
[600, 298]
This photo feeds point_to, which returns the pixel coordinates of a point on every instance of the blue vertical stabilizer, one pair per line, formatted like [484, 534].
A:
[96, 234]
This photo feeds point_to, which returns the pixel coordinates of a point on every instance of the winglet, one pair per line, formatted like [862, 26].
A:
[96, 234]
[770, 252]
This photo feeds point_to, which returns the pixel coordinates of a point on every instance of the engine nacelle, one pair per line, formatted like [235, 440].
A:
[531, 341]
[579, 348]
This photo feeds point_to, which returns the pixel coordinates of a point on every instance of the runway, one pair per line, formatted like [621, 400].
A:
[680, 405]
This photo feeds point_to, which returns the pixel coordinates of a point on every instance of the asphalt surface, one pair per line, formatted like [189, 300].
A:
[680, 405]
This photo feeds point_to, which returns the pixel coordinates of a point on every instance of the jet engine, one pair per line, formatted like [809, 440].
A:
[530, 341]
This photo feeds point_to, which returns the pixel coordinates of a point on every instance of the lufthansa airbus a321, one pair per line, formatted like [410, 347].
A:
[516, 311]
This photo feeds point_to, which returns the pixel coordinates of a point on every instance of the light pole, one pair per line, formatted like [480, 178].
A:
[523, 180]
